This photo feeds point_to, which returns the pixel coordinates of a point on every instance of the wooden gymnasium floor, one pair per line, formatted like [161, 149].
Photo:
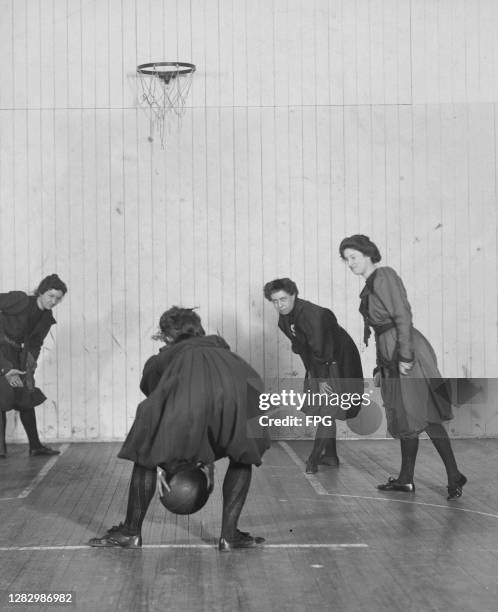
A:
[334, 542]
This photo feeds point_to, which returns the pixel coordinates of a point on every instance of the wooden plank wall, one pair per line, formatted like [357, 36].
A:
[308, 120]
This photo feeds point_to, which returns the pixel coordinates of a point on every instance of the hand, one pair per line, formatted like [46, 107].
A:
[377, 378]
[14, 378]
[324, 387]
[208, 469]
[405, 367]
[30, 363]
[163, 483]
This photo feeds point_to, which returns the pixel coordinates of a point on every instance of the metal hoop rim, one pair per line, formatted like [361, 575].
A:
[187, 68]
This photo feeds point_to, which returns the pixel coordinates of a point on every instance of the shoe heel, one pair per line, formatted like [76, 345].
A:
[455, 491]
[311, 467]
[243, 541]
[133, 542]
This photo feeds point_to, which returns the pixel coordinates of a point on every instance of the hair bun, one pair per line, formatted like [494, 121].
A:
[52, 281]
[362, 243]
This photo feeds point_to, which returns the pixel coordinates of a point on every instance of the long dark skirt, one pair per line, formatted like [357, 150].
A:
[205, 407]
[19, 398]
[414, 401]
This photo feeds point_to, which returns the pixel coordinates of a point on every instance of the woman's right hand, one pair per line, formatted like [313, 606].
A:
[14, 378]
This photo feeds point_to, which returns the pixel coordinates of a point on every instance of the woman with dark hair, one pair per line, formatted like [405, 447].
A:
[202, 404]
[329, 355]
[407, 366]
[25, 321]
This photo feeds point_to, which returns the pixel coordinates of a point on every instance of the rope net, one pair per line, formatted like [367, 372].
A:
[164, 93]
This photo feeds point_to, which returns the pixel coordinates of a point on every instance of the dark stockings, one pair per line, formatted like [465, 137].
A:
[409, 449]
[235, 488]
[439, 437]
[142, 489]
[3, 424]
[325, 442]
[28, 419]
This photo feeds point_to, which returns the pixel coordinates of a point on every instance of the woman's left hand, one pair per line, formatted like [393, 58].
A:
[405, 367]
[325, 388]
[163, 482]
[208, 469]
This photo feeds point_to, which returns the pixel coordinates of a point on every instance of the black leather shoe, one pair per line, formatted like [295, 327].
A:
[117, 537]
[43, 450]
[242, 540]
[393, 484]
[311, 467]
[330, 460]
[455, 491]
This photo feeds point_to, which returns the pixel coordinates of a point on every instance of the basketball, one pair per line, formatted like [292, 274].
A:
[368, 421]
[188, 491]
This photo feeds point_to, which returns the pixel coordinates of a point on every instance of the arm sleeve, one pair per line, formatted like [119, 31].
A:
[389, 288]
[150, 376]
[8, 301]
[319, 335]
[13, 302]
[5, 364]
[37, 339]
[35, 346]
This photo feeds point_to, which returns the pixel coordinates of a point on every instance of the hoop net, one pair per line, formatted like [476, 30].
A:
[164, 90]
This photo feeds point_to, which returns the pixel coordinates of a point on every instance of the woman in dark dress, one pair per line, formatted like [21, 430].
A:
[25, 321]
[202, 404]
[406, 364]
[329, 355]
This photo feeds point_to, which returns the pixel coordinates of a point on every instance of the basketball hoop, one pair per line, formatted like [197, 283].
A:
[165, 87]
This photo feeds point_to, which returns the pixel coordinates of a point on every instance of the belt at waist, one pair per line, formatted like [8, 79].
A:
[380, 329]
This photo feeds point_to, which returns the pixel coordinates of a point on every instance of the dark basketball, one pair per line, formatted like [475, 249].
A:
[189, 491]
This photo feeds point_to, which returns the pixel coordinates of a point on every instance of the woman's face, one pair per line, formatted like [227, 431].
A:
[357, 262]
[283, 302]
[49, 299]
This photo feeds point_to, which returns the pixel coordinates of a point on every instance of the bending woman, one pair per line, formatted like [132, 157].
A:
[406, 364]
[202, 405]
[330, 358]
[25, 321]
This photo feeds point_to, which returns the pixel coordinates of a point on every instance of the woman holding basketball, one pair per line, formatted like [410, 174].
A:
[202, 405]
[406, 364]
